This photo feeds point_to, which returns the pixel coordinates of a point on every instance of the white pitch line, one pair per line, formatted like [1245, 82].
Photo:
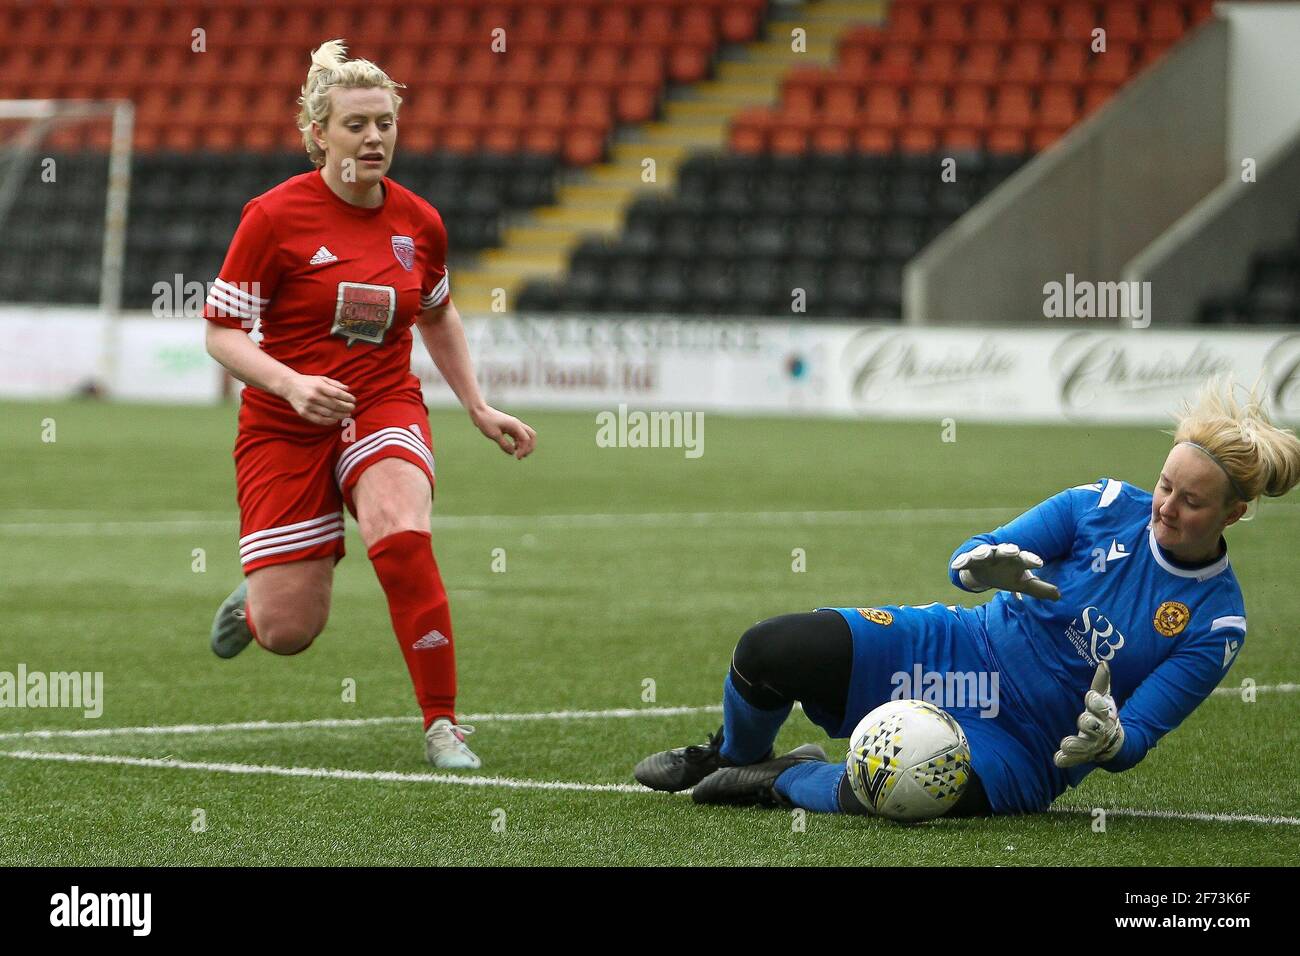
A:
[1188, 815]
[326, 773]
[394, 776]
[661, 519]
[1268, 688]
[616, 713]
[330, 722]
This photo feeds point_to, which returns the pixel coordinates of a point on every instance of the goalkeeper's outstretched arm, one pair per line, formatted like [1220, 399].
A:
[1046, 531]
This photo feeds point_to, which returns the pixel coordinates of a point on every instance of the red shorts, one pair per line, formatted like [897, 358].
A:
[292, 488]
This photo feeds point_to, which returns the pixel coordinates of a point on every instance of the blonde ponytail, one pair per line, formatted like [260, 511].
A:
[1258, 457]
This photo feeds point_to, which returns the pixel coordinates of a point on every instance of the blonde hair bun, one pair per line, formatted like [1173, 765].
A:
[331, 69]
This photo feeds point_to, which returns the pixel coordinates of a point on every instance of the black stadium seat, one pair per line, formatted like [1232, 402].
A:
[749, 229]
[185, 207]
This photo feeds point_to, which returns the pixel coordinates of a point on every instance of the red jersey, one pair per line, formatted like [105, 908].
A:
[336, 287]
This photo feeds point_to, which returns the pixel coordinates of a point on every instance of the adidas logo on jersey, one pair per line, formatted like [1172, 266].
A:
[433, 639]
[322, 256]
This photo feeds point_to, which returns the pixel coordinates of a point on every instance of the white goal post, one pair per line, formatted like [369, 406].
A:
[44, 116]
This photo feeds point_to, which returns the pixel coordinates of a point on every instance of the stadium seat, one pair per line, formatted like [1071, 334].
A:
[981, 65]
[1035, 23]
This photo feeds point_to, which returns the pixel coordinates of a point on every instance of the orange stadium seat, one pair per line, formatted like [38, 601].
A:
[583, 147]
[655, 25]
[613, 25]
[1007, 141]
[1040, 139]
[982, 64]
[841, 102]
[697, 25]
[897, 64]
[748, 131]
[883, 108]
[917, 140]
[857, 60]
[829, 139]
[1069, 63]
[636, 102]
[1034, 22]
[1122, 21]
[906, 24]
[961, 139]
[738, 24]
[871, 140]
[1151, 52]
[938, 64]
[947, 23]
[970, 108]
[688, 64]
[1024, 64]
[575, 24]
[1058, 108]
[1114, 66]
[991, 24]
[561, 67]
[1096, 95]
[1077, 22]
[1013, 108]
[926, 108]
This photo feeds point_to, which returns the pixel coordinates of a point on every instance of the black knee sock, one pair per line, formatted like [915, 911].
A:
[803, 657]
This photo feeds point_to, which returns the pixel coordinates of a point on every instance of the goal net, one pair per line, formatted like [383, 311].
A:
[65, 180]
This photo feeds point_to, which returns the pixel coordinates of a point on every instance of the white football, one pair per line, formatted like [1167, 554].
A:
[908, 761]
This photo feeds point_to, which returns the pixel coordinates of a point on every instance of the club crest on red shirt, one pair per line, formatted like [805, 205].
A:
[404, 249]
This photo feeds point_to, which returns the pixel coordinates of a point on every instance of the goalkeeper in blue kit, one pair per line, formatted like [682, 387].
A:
[1117, 613]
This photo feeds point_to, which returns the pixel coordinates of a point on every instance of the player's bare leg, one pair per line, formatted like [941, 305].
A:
[283, 607]
[290, 603]
[393, 498]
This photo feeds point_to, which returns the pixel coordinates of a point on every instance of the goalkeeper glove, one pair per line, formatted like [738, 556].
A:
[1100, 732]
[1004, 567]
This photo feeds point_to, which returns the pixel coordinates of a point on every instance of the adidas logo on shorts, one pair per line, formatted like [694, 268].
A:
[433, 639]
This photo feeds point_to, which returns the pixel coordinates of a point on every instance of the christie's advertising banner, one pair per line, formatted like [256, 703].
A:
[737, 366]
[884, 371]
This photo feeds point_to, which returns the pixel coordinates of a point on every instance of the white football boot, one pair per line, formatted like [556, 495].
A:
[444, 746]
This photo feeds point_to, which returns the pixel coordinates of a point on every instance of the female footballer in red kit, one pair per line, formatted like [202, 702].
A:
[338, 264]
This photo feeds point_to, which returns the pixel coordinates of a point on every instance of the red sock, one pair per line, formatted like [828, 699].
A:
[417, 604]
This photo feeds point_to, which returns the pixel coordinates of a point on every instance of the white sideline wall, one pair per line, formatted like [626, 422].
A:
[1125, 196]
[1208, 251]
[1086, 205]
[1264, 77]
[871, 370]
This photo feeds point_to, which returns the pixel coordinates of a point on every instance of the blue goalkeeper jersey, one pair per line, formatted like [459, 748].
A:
[1168, 631]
